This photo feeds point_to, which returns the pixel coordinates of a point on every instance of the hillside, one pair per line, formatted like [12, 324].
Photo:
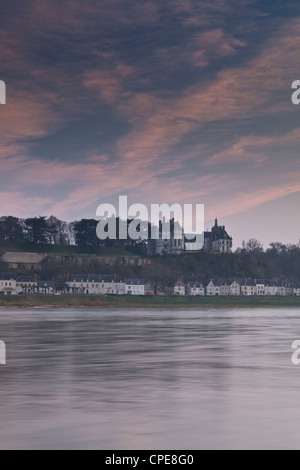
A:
[59, 261]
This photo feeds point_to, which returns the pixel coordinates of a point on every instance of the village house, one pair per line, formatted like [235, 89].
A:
[7, 283]
[46, 287]
[224, 285]
[112, 285]
[26, 285]
[260, 288]
[286, 289]
[195, 288]
[248, 287]
[96, 284]
[271, 288]
[135, 287]
[296, 291]
[235, 288]
[83, 284]
[212, 288]
[179, 287]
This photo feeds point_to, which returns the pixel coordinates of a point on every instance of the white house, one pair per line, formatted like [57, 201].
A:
[224, 287]
[235, 288]
[7, 282]
[96, 284]
[135, 287]
[212, 288]
[112, 285]
[195, 288]
[84, 284]
[260, 288]
[296, 291]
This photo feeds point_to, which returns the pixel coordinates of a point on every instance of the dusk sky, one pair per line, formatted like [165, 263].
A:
[164, 101]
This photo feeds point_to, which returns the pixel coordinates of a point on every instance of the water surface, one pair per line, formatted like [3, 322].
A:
[149, 379]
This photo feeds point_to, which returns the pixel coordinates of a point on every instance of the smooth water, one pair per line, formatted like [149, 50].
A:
[146, 379]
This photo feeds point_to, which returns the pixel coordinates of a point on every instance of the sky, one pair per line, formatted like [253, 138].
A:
[174, 101]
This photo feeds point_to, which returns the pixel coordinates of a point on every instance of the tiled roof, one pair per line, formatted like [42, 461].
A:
[25, 279]
[45, 283]
[7, 276]
[135, 282]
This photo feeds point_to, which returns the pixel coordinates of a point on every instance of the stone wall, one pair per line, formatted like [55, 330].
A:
[36, 261]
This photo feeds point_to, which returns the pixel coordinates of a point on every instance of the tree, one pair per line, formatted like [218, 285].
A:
[36, 229]
[85, 234]
[51, 233]
[276, 248]
[58, 231]
[11, 230]
[253, 246]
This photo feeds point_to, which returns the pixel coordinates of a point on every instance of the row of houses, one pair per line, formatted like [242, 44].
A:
[107, 285]
[114, 285]
[78, 284]
[247, 287]
[12, 284]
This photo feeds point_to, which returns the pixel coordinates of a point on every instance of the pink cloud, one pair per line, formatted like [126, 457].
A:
[247, 200]
[243, 92]
[255, 149]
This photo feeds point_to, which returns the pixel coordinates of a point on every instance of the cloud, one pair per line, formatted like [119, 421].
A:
[247, 200]
[200, 49]
[13, 202]
[256, 149]
[109, 84]
[254, 89]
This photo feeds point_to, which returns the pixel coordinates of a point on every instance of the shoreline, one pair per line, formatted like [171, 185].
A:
[123, 302]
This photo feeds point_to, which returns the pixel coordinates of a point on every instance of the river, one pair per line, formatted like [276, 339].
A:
[149, 379]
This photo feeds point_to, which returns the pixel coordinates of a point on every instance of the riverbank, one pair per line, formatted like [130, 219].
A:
[95, 301]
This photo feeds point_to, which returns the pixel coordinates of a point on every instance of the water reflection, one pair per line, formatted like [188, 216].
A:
[149, 379]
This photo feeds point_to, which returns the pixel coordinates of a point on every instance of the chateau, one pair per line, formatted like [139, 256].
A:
[217, 240]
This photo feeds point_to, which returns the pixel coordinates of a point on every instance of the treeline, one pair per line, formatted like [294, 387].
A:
[52, 231]
[37, 230]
